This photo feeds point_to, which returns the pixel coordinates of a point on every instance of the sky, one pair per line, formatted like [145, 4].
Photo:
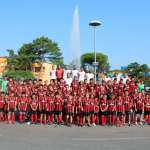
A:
[124, 35]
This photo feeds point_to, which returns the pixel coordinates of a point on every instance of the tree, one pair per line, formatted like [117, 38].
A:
[137, 70]
[17, 74]
[102, 59]
[13, 62]
[40, 49]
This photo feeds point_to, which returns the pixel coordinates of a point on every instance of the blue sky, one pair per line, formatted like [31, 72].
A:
[124, 35]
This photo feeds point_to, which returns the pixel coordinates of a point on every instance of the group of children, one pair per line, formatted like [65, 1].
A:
[107, 103]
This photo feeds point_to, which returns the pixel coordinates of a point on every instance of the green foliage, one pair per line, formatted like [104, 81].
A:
[101, 59]
[19, 74]
[147, 81]
[137, 70]
[40, 49]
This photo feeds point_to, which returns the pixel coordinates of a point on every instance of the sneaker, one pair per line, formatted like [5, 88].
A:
[94, 124]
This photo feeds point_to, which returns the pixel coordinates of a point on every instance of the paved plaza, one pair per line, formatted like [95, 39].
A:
[36, 137]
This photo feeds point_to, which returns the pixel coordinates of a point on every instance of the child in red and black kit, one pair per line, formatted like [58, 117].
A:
[58, 108]
[86, 109]
[139, 107]
[42, 107]
[2, 104]
[96, 111]
[128, 108]
[111, 111]
[12, 107]
[34, 109]
[147, 109]
[103, 110]
[69, 111]
[79, 111]
[120, 111]
[92, 110]
[50, 108]
[22, 107]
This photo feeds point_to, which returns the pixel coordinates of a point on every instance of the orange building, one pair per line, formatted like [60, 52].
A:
[39, 70]
[3, 65]
[42, 70]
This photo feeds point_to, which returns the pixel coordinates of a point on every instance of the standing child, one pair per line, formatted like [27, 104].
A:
[120, 111]
[147, 109]
[103, 110]
[12, 107]
[42, 107]
[58, 108]
[139, 107]
[34, 108]
[86, 109]
[111, 111]
[128, 108]
[22, 107]
[50, 108]
[2, 104]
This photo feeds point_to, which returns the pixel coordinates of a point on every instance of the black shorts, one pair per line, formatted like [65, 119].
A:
[11, 110]
[69, 113]
[49, 112]
[111, 113]
[80, 114]
[33, 112]
[22, 111]
[1, 110]
[119, 113]
[127, 112]
[42, 111]
[139, 112]
[58, 112]
[92, 112]
[147, 112]
[86, 113]
[104, 113]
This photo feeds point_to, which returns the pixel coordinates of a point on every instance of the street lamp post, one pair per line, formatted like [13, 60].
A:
[94, 24]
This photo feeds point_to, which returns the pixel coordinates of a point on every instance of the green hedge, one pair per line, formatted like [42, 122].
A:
[19, 74]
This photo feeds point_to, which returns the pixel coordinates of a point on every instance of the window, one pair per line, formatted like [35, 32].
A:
[37, 69]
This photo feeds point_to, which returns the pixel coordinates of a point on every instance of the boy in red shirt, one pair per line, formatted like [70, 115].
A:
[50, 108]
[139, 109]
[2, 104]
[12, 107]
[34, 108]
[120, 111]
[58, 108]
[22, 107]
[42, 107]
[86, 109]
[103, 110]
[59, 73]
[69, 111]
[147, 109]
[111, 111]
[79, 111]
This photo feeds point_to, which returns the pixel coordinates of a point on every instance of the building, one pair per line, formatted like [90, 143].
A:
[42, 70]
[3, 65]
[39, 70]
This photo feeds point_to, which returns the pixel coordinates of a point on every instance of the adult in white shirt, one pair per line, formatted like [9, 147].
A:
[66, 71]
[53, 73]
[89, 76]
[125, 79]
[68, 80]
[81, 75]
[74, 73]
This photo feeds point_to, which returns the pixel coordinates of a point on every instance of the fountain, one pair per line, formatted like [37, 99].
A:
[75, 39]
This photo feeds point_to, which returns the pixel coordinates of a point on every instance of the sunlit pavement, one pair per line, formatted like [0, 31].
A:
[45, 137]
